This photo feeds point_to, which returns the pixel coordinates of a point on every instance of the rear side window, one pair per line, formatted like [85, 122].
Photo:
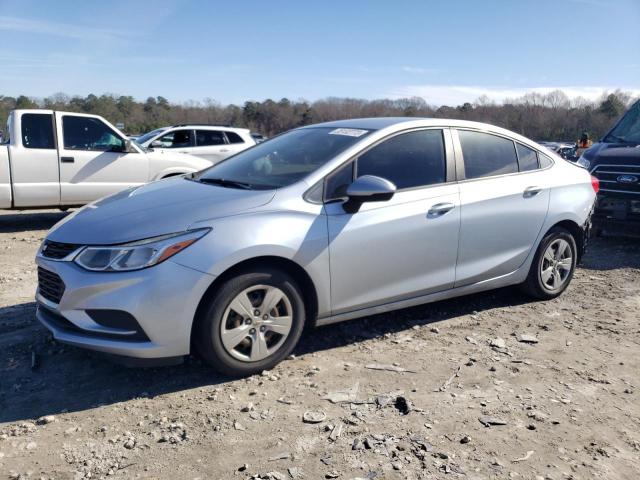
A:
[209, 137]
[234, 137]
[37, 130]
[527, 158]
[487, 155]
[413, 159]
[87, 133]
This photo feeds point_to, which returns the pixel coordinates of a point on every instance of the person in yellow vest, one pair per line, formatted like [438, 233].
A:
[582, 144]
[585, 141]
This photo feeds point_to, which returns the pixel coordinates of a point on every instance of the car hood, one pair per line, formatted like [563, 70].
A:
[613, 154]
[158, 208]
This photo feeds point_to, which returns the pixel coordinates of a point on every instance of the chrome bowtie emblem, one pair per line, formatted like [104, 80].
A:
[627, 179]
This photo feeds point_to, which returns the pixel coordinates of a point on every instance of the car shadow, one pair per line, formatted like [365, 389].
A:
[26, 221]
[68, 379]
[611, 252]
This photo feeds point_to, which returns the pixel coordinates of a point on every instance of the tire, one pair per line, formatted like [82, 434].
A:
[539, 283]
[261, 342]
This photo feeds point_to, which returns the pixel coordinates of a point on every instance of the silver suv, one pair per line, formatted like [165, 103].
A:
[321, 224]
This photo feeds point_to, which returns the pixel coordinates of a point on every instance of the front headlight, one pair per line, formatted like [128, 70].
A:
[583, 162]
[137, 255]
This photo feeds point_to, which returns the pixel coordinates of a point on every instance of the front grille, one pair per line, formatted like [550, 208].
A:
[612, 179]
[50, 285]
[57, 250]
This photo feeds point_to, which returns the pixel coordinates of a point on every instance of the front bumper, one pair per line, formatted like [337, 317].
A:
[162, 300]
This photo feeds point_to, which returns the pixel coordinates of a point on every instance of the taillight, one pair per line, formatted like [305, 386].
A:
[595, 183]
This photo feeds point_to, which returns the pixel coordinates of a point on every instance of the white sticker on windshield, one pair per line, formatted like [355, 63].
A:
[349, 132]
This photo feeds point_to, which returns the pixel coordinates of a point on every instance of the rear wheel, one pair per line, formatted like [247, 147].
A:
[553, 265]
[251, 323]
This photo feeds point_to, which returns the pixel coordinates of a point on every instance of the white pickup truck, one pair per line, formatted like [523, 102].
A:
[62, 159]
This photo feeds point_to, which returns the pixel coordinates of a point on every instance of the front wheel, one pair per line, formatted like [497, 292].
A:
[251, 323]
[553, 265]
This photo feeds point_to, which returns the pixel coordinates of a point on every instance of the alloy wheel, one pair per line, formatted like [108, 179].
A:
[256, 323]
[556, 264]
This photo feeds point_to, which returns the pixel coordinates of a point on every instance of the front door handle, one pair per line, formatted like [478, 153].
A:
[224, 150]
[67, 159]
[532, 191]
[440, 209]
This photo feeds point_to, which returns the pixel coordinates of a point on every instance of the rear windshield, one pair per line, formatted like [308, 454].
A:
[285, 159]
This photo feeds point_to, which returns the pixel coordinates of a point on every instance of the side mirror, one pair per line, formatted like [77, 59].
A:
[128, 146]
[156, 144]
[370, 188]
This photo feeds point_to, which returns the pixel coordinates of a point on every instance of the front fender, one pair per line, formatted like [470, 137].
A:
[300, 237]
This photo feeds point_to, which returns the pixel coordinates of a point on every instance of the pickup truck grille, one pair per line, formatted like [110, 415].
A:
[56, 250]
[50, 285]
[612, 179]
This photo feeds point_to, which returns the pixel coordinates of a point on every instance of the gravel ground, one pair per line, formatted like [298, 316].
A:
[445, 390]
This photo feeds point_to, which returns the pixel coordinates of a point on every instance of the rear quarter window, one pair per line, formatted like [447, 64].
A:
[37, 131]
[234, 137]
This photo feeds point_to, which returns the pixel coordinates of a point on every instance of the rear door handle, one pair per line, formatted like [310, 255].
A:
[532, 191]
[67, 159]
[440, 209]
[224, 150]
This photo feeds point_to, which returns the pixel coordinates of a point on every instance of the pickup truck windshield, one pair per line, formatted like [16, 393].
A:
[628, 129]
[282, 160]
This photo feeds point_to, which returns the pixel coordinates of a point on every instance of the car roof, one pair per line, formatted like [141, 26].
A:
[378, 123]
[225, 128]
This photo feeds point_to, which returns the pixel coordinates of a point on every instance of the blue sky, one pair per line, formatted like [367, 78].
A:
[445, 51]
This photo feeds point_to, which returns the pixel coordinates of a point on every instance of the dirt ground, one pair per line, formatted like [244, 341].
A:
[398, 396]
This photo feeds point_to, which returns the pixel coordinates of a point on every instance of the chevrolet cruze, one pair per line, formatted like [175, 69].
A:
[321, 224]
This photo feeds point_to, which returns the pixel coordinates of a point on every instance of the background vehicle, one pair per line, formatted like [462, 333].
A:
[615, 161]
[321, 224]
[258, 137]
[566, 150]
[215, 143]
[55, 159]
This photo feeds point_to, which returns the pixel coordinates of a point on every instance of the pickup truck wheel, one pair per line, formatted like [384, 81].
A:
[553, 265]
[251, 323]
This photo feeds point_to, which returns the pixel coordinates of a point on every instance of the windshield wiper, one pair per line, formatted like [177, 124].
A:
[225, 183]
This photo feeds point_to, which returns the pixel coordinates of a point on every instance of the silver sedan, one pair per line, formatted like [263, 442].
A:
[321, 224]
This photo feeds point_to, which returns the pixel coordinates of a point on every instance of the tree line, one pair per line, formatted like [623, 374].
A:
[551, 116]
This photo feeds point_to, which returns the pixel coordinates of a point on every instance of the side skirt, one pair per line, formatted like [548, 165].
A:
[512, 278]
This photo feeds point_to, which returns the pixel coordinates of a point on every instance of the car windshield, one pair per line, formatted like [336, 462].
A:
[628, 129]
[282, 160]
[142, 139]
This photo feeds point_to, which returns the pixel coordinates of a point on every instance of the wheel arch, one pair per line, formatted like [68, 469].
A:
[576, 231]
[305, 282]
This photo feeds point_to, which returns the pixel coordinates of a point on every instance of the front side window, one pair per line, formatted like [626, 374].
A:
[233, 137]
[282, 160]
[175, 139]
[87, 133]
[37, 130]
[413, 159]
[486, 155]
[209, 137]
[527, 158]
